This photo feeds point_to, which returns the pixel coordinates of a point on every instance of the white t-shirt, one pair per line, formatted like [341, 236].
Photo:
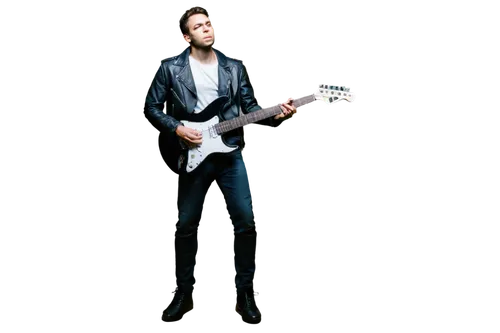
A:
[206, 80]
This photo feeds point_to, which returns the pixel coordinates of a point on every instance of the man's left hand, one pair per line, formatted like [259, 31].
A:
[288, 109]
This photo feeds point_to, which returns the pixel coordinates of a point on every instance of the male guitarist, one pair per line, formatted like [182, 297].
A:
[188, 83]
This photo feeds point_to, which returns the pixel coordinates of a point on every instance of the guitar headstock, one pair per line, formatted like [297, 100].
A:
[332, 94]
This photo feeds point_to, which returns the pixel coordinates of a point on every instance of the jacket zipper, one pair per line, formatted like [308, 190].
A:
[175, 95]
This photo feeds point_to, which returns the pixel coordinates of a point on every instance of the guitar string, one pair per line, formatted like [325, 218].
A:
[249, 117]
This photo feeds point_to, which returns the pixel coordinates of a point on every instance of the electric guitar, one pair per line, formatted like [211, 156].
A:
[181, 158]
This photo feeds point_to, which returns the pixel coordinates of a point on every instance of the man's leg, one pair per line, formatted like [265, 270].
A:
[191, 195]
[233, 182]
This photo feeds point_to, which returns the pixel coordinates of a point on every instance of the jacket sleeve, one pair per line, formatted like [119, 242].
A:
[155, 101]
[249, 102]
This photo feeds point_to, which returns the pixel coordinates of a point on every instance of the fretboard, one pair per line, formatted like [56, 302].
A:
[255, 116]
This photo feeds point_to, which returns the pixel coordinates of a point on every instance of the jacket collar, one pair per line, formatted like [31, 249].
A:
[186, 77]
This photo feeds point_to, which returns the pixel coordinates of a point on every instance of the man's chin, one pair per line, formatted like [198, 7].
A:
[202, 47]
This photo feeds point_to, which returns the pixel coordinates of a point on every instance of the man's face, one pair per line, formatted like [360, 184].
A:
[201, 33]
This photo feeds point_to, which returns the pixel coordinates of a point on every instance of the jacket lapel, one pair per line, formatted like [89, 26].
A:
[185, 76]
[224, 75]
[224, 81]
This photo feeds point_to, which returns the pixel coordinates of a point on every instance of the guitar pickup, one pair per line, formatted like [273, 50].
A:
[213, 132]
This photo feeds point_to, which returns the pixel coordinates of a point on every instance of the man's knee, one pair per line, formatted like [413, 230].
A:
[244, 226]
[187, 225]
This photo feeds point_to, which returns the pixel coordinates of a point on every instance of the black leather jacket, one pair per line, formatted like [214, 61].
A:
[174, 85]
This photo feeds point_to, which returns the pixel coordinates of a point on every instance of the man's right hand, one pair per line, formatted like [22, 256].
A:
[189, 135]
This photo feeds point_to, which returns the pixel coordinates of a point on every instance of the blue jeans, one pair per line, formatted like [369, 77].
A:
[229, 171]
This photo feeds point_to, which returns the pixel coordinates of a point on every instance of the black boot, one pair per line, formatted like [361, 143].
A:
[244, 259]
[186, 247]
[247, 308]
[182, 303]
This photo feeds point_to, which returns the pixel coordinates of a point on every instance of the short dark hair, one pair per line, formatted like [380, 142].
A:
[190, 12]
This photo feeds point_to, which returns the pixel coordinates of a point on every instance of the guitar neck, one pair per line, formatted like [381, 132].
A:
[255, 116]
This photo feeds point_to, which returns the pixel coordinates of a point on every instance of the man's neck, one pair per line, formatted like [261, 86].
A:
[204, 56]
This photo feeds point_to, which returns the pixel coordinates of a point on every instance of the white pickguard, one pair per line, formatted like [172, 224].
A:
[212, 143]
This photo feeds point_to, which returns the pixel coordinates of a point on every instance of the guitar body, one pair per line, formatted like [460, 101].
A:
[182, 159]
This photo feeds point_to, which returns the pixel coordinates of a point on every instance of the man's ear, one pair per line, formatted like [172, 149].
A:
[187, 38]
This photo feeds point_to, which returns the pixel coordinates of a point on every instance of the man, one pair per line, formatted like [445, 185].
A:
[188, 83]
